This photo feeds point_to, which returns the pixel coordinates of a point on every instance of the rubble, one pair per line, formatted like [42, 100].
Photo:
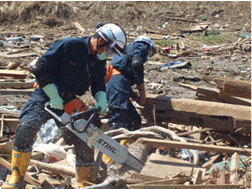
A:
[196, 130]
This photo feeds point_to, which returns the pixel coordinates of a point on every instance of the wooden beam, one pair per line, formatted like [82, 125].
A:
[16, 85]
[234, 87]
[216, 93]
[194, 131]
[16, 91]
[14, 73]
[175, 144]
[220, 116]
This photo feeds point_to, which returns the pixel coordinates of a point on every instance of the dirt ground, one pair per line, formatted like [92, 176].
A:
[54, 20]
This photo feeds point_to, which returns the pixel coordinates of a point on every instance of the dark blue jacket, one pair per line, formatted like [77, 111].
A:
[123, 62]
[70, 66]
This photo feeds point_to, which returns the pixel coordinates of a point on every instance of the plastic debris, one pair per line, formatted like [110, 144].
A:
[14, 39]
[53, 152]
[49, 132]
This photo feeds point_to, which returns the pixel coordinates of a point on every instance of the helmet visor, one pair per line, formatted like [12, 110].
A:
[114, 48]
[151, 52]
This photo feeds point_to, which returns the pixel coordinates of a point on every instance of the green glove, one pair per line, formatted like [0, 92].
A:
[56, 101]
[101, 100]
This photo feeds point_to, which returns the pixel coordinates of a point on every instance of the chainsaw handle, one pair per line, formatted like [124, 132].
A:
[54, 114]
[96, 111]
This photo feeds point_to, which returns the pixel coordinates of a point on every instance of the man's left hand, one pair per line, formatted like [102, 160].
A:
[101, 99]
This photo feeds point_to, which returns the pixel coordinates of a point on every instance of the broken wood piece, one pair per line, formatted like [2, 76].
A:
[198, 178]
[77, 24]
[235, 87]
[59, 169]
[220, 116]
[16, 85]
[196, 186]
[194, 131]
[157, 166]
[47, 185]
[234, 168]
[9, 125]
[163, 181]
[143, 177]
[16, 91]
[187, 145]
[216, 95]
[27, 178]
[212, 160]
[4, 54]
[14, 73]
[14, 65]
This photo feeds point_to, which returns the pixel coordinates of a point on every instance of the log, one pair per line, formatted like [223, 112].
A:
[187, 145]
[220, 116]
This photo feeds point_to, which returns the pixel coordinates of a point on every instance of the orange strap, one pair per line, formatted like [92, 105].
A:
[110, 71]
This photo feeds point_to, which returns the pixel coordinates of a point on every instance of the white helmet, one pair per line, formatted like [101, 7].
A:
[147, 40]
[115, 35]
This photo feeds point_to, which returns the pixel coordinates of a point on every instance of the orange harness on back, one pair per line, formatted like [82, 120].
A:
[110, 71]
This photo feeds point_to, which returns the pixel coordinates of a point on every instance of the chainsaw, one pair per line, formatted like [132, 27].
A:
[72, 118]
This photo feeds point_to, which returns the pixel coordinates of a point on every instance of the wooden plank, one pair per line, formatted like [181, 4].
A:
[163, 166]
[187, 145]
[4, 54]
[16, 91]
[143, 177]
[195, 186]
[16, 85]
[234, 87]
[14, 73]
[10, 123]
[220, 116]
[216, 93]
[164, 181]
[194, 131]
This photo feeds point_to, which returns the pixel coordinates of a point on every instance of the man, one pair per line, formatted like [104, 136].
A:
[123, 72]
[68, 68]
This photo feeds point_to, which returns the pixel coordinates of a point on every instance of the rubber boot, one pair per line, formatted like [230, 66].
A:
[85, 176]
[19, 165]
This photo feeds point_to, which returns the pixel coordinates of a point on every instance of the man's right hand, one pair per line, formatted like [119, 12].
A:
[56, 101]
